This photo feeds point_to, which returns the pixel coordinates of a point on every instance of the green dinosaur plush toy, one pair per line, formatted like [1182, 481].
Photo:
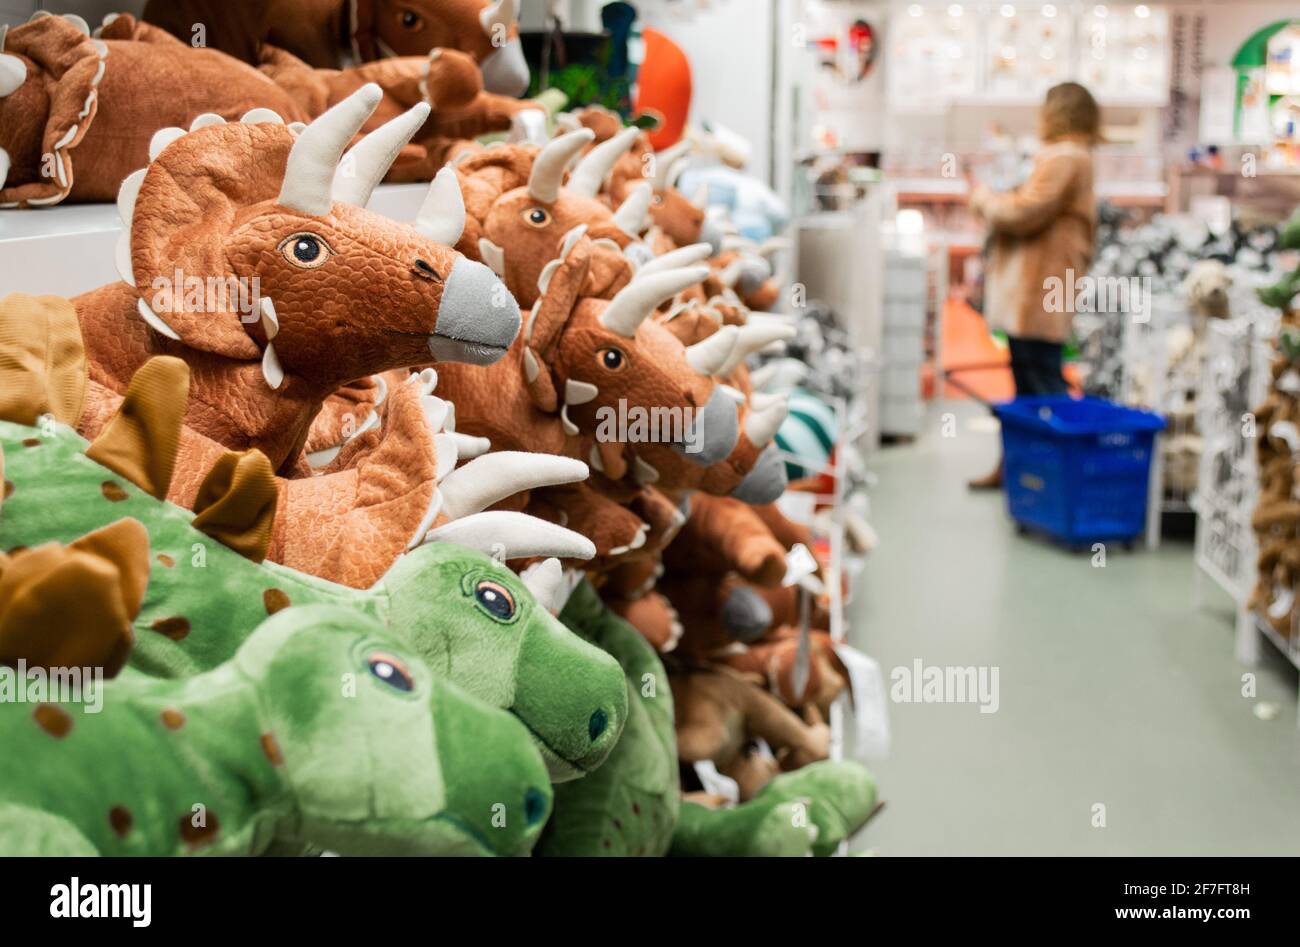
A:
[629, 805]
[321, 730]
[632, 805]
[836, 797]
[467, 615]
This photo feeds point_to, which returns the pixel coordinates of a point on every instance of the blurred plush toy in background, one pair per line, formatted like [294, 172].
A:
[333, 34]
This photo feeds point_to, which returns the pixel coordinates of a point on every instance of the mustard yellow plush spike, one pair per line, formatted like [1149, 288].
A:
[42, 359]
[72, 606]
[140, 441]
[236, 503]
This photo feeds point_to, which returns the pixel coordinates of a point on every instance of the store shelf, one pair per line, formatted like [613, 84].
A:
[955, 191]
[68, 249]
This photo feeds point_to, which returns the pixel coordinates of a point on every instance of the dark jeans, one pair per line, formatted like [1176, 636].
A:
[1036, 367]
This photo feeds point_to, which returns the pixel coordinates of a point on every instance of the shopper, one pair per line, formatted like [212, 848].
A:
[1039, 234]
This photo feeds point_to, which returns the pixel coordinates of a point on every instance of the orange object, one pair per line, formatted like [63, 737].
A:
[664, 88]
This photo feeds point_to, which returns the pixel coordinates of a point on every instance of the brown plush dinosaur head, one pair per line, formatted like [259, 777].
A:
[614, 373]
[753, 472]
[486, 29]
[252, 240]
[519, 212]
[681, 218]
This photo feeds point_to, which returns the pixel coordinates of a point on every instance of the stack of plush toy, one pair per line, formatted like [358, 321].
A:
[448, 536]
[1277, 428]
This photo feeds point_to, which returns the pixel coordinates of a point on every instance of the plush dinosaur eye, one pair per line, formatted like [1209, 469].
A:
[495, 599]
[612, 358]
[411, 20]
[305, 250]
[390, 670]
[537, 216]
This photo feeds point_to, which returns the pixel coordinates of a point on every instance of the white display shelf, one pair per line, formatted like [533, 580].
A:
[68, 249]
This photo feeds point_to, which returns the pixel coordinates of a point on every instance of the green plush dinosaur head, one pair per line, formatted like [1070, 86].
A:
[486, 631]
[382, 755]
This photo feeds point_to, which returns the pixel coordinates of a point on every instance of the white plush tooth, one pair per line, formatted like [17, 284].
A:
[644, 473]
[271, 369]
[205, 120]
[13, 73]
[127, 194]
[79, 22]
[270, 322]
[260, 116]
[493, 255]
[569, 427]
[469, 447]
[154, 320]
[444, 446]
[4, 167]
[435, 412]
[579, 392]
[162, 138]
[122, 257]
[427, 521]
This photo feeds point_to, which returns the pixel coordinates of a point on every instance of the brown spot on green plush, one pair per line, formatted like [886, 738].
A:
[9, 489]
[120, 818]
[273, 600]
[53, 720]
[173, 719]
[272, 749]
[198, 835]
[31, 442]
[112, 492]
[175, 628]
[166, 560]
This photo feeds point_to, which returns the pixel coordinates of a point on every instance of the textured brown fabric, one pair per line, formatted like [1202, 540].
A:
[720, 712]
[236, 503]
[126, 95]
[141, 440]
[235, 27]
[63, 607]
[1042, 230]
[42, 361]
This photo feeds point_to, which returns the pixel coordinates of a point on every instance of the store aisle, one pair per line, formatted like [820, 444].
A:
[1115, 689]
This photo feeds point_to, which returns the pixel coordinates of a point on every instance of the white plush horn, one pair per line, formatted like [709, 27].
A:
[309, 172]
[635, 301]
[545, 579]
[731, 273]
[708, 357]
[506, 535]
[764, 418]
[501, 13]
[549, 165]
[755, 338]
[442, 215]
[489, 479]
[589, 176]
[683, 256]
[631, 214]
[664, 161]
[13, 73]
[365, 165]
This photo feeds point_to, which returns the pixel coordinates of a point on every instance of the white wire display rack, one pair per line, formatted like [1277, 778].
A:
[1236, 377]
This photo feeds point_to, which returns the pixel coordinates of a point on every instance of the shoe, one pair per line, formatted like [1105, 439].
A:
[990, 481]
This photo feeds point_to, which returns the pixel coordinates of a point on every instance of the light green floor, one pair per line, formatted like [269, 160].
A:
[1115, 688]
